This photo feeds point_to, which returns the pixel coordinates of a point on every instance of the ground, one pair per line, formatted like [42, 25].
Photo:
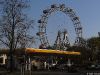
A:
[51, 73]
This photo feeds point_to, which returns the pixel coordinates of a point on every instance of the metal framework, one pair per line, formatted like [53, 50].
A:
[65, 41]
[68, 11]
[58, 41]
[62, 41]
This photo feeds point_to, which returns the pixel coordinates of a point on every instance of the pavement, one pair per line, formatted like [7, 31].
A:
[50, 73]
[40, 73]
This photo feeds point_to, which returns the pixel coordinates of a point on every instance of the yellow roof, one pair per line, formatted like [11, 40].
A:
[49, 51]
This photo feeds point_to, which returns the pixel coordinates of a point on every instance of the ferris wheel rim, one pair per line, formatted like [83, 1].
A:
[68, 11]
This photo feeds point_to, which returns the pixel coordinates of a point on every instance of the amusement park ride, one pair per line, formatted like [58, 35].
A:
[65, 41]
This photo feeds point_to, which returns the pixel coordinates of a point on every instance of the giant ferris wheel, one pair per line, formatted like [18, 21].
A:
[73, 17]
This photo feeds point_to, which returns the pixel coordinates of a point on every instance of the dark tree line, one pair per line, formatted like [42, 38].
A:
[94, 45]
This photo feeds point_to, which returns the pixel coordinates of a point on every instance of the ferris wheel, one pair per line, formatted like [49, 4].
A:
[66, 10]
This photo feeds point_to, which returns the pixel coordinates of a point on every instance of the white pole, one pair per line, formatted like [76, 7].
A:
[45, 64]
[26, 65]
[29, 61]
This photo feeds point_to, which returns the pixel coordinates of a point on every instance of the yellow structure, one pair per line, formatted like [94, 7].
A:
[49, 51]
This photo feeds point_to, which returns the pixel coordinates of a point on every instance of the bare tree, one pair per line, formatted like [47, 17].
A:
[15, 26]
